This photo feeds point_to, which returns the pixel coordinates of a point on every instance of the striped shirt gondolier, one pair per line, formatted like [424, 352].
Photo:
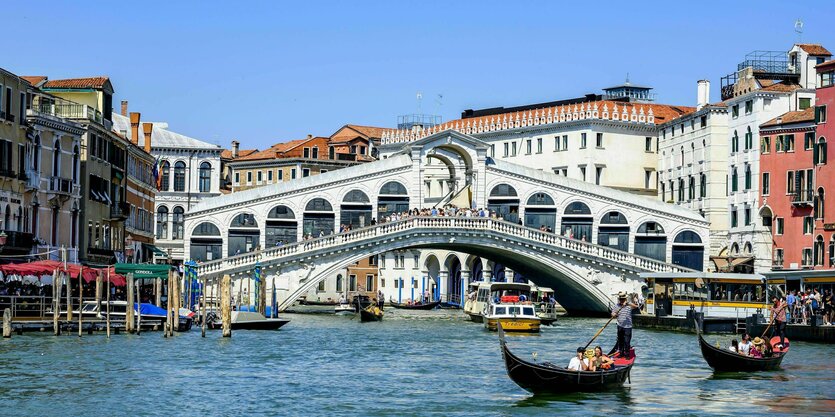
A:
[624, 316]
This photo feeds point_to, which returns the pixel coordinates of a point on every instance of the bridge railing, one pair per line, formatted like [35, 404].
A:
[440, 223]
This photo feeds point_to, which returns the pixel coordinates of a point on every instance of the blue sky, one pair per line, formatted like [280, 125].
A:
[267, 72]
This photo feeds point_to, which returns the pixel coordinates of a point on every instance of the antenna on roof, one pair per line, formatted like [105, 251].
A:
[627, 78]
[419, 98]
[798, 28]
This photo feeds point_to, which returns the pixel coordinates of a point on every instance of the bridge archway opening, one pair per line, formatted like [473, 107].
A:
[281, 227]
[504, 200]
[614, 231]
[577, 221]
[498, 272]
[476, 269]
[392, 198]
[454, 285]
[688, 250]
[540, 210]
[244, 234]
[651, 241]
[318, 219]
[439, 177]
[355, 209]
[433, 271]
[206, 242]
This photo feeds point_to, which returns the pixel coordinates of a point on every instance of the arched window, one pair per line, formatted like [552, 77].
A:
[393, 188]
[206, 242]
[735, 249]
[318, 204]
[244, 235]
[177, 223]
[244, 220]
[749, 139]
[281, 226]
[734, 180]
[576, 208]
[503, 190]
[747, 176]
[577, 222]
[318, 218]
[702, 185]
[819, 250]
[56, 159]
[205, 177]
[162, 222]
[651, 241]
[735, 142]
[165, 176]
[36, 154]
[356, 196]
[681, 189]
[392, 199]
[540, 199]
[613, 231]
[76, 157]
[505, 202]
[206, 229]
[540, 212]
[682, 156]
[819, 204]
[820, 151]
[180, 176]
[691, 188]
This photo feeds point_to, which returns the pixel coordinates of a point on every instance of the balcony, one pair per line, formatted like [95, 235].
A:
[777, 264]
[33, 180]
[119, 211]
[60, 186]
[68, 110]
[7, 116]
[803, 198]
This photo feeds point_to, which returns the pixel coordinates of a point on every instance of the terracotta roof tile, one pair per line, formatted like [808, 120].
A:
[782, 87]
[227, 153]
[826, 64]
[370, 131]
[89, 82]
[814, 49]
[276, 149]
[34, 79]
[799, 116]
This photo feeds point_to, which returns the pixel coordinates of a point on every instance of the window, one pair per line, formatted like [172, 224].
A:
[808, 141]
[321, 287]
[492, 155]
[804, 103]
[820, 151]
[765, 145]
[177, 223]
[735, 111]
[249, 177]
[598, 175]
[306, 153]
[780, 222]
[778, 257]
[293, 174]
[565, 142]
[808, 225]
[734, 217]
[681, 189]
[734, 180]
[259, 177]
[827, 78]
[556, 144]
[582, 141]
[807, 257]
[766, 183]
[647, 178]
[305, 172]
[819, 204]
[180, 176]
[749, 106]
[691, 188]
[790, 182]
[702, 185]
[703, 122]
[281, 175]
[747, 176]
[648, 144]
[512, 148]
[788, 143]
[237, 178]
[162, 222]
[528, 147]
[819, 250]
[205, 175]
[747, 216]
[506, 149]
[663, 192]
[583, 172]
[749, 139]
[538, 145]
[599, 143]
[165, 176]
[735, 142]
[270, 176]
[314, 152]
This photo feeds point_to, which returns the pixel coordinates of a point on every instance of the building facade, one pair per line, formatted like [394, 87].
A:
[692, 164]
[189, 171]
[766, 85]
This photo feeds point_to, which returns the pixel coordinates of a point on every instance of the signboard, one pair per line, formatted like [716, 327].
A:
[143, 271]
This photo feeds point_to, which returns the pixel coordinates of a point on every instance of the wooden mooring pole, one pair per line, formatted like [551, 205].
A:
[203, 305]
[7, 323]
[107, 307]
[178, 298]
[80, 298]
[226, 305]
[56, 303]
[129, 310]
[167, 327]
[138, 308]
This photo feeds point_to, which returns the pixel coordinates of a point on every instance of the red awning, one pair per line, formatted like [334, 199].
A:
[47, 267]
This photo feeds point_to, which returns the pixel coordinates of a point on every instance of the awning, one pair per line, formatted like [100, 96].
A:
[729, 263]
[157, 251]
[143, 271]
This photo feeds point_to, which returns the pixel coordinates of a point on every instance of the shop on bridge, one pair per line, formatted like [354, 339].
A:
[393, 198]
[505, 202]
[281, 228]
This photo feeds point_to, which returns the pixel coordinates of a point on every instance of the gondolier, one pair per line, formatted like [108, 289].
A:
[623, 312]
[778, 314]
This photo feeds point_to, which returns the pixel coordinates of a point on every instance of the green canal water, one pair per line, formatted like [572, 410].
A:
[415, 363]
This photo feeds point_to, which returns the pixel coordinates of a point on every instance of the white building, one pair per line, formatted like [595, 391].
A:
[693, 164]
[189, 172]
[766, 85]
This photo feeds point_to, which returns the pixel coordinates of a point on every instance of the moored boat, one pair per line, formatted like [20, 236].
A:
[345, 310]
[421, 306]
[248, 320]
[546, 377]
[371, 313]
[514, 317]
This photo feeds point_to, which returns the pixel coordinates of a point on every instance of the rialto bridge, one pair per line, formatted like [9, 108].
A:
[601, 240]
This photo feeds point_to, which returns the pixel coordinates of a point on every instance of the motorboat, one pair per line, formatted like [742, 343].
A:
[513, 316]
[345, 309]
[250, 320]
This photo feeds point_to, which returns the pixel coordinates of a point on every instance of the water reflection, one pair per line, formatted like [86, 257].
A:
[620, 396]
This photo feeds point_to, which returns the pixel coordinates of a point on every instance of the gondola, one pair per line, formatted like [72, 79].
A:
[371, 314]
[318, 303]
[427, 306]
[723, 360]
[547, 377]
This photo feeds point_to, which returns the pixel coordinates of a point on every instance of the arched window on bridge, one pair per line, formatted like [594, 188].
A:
[206, 242]
[318, 219]
[613, 231]
[244, 235]
[577, 221]
[505, 202]
[651, 241]
[281, 227]
[540, 210]
[392, 198]
[355, 209]
[688, 250]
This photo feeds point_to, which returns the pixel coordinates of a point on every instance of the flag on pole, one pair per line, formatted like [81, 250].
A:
[257, 284]
[156, 173]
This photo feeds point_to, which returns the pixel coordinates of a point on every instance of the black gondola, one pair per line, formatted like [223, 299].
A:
[368, 314]
[723, 360]
[427, 306]
[318, 303]
[547, 377]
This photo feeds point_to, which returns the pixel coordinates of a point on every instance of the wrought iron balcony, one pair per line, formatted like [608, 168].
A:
[119, 211]
[803, 198]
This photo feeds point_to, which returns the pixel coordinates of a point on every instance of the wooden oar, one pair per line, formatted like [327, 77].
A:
[604, 327]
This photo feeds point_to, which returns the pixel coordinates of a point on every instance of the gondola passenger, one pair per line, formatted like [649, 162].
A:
[578, 362]
[744, 347]
[601, 362]
[734, 347]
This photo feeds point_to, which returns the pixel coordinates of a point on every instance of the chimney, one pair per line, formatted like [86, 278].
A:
[703, 93]
[125, 108]
[147, 128]
[134, 128]
[309, 136]
[235, 146]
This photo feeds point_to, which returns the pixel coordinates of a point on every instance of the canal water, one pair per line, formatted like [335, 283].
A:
[412, 363]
